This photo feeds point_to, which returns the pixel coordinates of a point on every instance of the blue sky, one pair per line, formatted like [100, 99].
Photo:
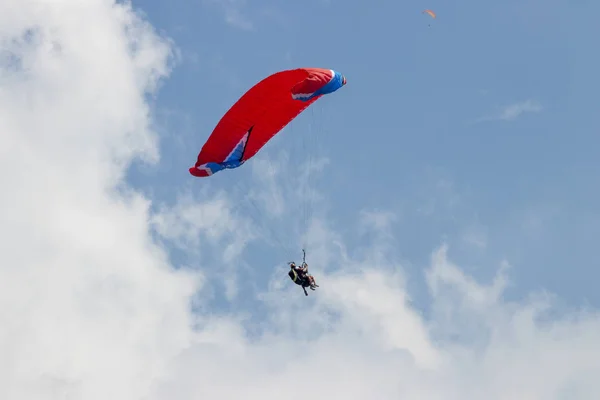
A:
[424, 122]
[453, 211]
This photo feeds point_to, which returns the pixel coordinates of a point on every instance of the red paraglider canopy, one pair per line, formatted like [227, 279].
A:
[262, 112]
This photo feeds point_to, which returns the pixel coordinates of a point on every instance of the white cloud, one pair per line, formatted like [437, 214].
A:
[234, 14]
[361, 338]
[513, 111]
[197, 228]
[241, 14]
[475, 235]
[188, 222]
[379, 220]
[91, 309]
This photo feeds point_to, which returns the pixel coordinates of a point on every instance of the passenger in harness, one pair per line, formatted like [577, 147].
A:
[300, 275]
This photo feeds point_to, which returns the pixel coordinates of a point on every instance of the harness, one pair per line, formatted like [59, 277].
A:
[296, 278]
[304, 282]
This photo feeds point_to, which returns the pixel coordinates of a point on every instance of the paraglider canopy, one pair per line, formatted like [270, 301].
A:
[431, 13]
[263, 111]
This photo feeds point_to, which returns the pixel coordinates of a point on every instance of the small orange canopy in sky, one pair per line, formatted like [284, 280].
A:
[430, 13]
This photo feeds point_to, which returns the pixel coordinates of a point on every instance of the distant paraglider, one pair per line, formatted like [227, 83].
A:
[431, 14]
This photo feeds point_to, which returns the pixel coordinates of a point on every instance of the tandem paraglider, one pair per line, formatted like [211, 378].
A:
[255, 118]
